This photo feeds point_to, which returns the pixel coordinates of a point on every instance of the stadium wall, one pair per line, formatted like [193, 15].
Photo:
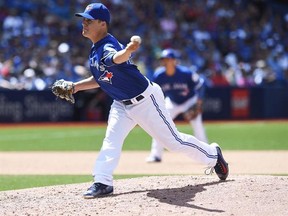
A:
[220, 104]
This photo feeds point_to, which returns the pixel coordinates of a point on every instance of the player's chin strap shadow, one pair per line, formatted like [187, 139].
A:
[182, 196]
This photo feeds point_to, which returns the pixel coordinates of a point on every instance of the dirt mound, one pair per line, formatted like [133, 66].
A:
[163, 195]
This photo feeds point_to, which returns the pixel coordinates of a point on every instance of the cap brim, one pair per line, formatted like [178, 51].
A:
[85, 15]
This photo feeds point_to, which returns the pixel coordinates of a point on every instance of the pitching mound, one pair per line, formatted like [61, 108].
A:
[165, 195]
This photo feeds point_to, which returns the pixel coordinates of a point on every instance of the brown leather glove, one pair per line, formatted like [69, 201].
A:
[64, 90]
[193, 111]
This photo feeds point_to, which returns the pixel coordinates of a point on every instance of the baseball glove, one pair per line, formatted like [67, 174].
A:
[193, 112]
[64, 90]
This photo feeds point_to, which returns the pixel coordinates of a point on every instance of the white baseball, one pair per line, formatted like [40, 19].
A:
[136, 38]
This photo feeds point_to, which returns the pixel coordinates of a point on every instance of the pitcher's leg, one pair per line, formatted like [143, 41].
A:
[119, 125]
[156, 148]
[161, 127]
[200, 152]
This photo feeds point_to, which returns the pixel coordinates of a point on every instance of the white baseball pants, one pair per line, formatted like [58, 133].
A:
[174, 110]
[150, 114]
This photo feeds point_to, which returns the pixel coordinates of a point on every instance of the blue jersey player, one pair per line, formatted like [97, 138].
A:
[136, 101]
[184, 91]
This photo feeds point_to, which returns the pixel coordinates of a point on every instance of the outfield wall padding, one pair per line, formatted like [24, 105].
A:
[221, 103]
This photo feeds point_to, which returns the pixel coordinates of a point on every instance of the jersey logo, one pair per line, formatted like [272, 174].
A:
[106, 77]
[93, 62]
[185, 92]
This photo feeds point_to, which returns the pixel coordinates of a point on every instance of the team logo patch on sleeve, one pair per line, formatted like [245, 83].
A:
[106, 77]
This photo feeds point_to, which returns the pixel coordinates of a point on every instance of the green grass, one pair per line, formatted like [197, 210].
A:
[15, 182]
[260, 135]
[250, 136]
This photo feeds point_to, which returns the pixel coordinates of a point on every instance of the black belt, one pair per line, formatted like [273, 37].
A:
[129, 102]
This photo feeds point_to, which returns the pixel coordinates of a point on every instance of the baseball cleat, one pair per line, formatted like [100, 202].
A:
[153, 159]
[221, 168]
[97, 190]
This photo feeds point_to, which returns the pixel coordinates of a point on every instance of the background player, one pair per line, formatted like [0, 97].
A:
[184, 92]
[136, 100]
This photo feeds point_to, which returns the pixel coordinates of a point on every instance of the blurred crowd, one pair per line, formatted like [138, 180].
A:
[239, 43]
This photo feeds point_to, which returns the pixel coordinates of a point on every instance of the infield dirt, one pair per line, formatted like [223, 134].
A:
[245, 192]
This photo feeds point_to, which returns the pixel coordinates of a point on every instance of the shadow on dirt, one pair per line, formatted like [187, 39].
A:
[182, 196]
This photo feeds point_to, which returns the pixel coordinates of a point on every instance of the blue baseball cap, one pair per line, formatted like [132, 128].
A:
[96, 11]
[168, 53]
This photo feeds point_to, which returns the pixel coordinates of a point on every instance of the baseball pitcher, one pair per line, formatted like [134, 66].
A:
[136, 100]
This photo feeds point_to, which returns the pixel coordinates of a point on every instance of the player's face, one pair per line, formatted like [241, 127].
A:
[168, 62]
[93, 29]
